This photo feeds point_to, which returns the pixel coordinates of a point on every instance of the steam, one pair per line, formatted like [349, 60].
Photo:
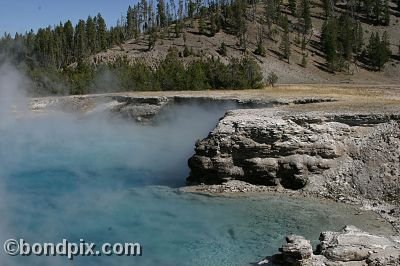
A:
[12, 101]
[12, 93]
[105, 81]
[56, 168]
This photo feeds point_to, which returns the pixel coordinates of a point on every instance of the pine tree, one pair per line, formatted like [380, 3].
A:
[101, 33]
[272, 12]
[152, 38]
[151, 15]
[368, 6]
[398, 6]
[59, 46]
[386, 13]
[329, 42]
[29, 43]
[130, 23]
[69, 41]
[136, 12]
[285, 41]
[358, 38]
[305, 14]
[40, 46]
[346, 37]
[377, 10]
[260, 49]
[199, 5]
[179, 19]
[292, 7]
[253, 8]
[80, 40]
[328, 7]
[373, 49]
[162, 17]
[213, 25]
[239, 22]
[143, 15]
[385, 51]
[191, 9]
[202, 23]
[378, 50]
[49, 52]
[91, 35]
[222, 50]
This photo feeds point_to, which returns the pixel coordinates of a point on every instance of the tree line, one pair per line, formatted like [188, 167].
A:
[171, 74]
[53, 50]
[342, 36]
[61, 45]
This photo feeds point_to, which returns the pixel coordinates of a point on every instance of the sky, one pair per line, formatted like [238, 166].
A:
[24, 15]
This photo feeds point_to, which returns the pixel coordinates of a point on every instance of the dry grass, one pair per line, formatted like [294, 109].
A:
[306, 90]
[347, 97]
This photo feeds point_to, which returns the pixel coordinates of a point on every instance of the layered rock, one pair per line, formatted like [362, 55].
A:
[336, 154]
[143, 108]
[136, 108]
[351, 246]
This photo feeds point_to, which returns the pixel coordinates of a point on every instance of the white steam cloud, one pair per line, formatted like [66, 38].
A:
[13, 86]
[56, 167]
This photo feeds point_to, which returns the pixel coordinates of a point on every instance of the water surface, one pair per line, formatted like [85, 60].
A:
[103, 180]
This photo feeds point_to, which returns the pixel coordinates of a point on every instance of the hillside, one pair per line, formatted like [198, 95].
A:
[205, 45]
[238, 44]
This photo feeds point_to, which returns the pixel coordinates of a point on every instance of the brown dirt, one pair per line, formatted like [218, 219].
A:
[291, 73]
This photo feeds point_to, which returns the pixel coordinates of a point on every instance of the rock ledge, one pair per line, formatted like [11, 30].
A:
[351, 246]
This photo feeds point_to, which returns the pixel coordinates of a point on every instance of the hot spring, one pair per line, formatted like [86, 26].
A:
[107, 180]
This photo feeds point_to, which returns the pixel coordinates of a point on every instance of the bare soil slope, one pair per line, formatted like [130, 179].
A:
[293, 72]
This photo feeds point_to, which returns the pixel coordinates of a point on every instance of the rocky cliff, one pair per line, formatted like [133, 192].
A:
[333, 154]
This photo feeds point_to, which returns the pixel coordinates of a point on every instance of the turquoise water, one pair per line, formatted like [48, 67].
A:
[114, 181]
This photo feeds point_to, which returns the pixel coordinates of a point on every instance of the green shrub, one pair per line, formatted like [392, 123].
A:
[186, 52]
[272, 79]
[196, 78]
[260, 50]
[222, 50]
[169, 74]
